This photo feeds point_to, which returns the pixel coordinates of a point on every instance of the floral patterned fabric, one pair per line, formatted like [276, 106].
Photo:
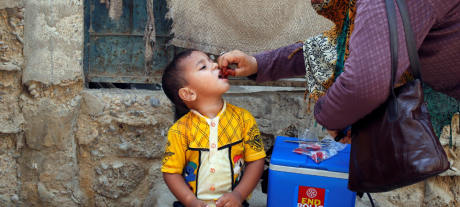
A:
[320, 61]
[325, 54]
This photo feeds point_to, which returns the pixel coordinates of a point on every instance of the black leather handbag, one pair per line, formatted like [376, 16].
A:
[395, 145]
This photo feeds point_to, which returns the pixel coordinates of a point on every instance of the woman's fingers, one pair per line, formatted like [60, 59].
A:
[229, 58]
[246, 65]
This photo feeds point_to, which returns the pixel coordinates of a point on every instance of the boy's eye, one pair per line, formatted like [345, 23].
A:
[204, 67]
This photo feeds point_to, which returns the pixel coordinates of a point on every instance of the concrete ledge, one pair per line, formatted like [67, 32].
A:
[10, 3]
[9, 68]
[256, 89]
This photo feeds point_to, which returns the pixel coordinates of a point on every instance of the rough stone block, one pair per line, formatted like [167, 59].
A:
[119, 179]
[436, 195]
[115, 172]
[12, 41]
[11, 46]
[50, 177]
[125, 130]
[159, 196]
[45, 195]
[101, 201]
[50, 124]
[11, 118]
[95, 106]
[8, 169]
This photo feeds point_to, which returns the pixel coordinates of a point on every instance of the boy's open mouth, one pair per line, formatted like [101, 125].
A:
[221, 75]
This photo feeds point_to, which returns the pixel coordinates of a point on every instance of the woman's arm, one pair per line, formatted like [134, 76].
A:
[267, 66]
[276, 64]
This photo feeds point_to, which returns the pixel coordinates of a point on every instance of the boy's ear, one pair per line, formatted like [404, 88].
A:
[187, 94]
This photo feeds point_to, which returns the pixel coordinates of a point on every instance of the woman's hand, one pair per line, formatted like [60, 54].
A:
[346, 139]
[246, 64]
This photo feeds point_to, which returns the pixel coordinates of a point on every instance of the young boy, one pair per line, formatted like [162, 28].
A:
[209, 148]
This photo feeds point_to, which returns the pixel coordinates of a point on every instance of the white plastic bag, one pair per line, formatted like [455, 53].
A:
[319, 150]
[307, 135]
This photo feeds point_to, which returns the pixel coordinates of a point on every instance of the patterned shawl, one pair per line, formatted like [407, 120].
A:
[325, 54]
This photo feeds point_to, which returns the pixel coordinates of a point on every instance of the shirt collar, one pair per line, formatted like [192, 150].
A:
[218, 114]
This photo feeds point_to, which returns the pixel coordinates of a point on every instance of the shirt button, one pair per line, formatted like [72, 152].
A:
[212, 189]
[213, 170]
[213, 124]
[213, 145]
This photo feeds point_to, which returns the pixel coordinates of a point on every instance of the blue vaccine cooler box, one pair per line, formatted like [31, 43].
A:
[297, 181]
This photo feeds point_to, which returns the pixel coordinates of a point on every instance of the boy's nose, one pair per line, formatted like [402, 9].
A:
[215, 66]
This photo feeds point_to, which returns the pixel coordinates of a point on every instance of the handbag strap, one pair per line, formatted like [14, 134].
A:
[411, 49]
[410, 41]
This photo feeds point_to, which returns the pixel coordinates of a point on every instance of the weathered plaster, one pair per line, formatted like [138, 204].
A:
[54, 41]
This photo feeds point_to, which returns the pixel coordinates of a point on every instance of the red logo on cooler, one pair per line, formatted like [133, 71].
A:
[310, 197]
[311, 193]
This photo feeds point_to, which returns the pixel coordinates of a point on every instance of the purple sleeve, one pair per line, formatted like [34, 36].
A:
[275, 64]
[365, 83]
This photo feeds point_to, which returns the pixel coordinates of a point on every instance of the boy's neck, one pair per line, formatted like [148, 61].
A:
[209, 107]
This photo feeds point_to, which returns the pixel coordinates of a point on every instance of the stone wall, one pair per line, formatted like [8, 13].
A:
[64, 145]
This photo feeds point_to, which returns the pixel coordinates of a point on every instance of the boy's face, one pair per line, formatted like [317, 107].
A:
[203, 75]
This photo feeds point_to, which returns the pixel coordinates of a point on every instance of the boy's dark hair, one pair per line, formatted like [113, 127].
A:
[174, 78]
